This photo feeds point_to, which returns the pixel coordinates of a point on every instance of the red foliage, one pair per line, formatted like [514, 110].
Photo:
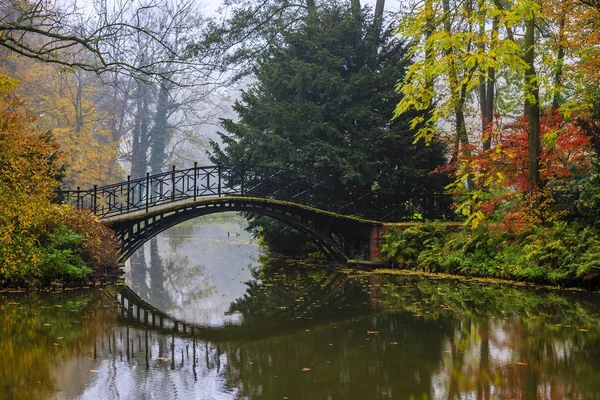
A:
[500, 174]
[565, 150]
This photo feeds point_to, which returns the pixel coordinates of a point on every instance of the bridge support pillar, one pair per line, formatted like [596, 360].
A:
[376, 240]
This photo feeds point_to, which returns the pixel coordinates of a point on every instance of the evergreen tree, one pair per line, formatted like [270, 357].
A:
[322, 104]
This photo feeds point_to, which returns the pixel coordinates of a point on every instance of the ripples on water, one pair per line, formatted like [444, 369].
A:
[235, 327]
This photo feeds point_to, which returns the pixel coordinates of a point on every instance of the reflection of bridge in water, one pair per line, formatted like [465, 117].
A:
[334, 293]
[340, 221]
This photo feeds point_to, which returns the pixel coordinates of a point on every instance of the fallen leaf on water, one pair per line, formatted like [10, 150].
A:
[394, 343]
[305, 369]
[92, 370]
[583, 330]
[47, 324]
[59, 338]
[521, 363]
[161, 359]
[372, 332]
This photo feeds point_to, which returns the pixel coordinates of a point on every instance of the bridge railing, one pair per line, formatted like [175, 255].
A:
[251, 181]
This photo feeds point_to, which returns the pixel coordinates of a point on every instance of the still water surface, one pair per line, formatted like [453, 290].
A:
[236, 326]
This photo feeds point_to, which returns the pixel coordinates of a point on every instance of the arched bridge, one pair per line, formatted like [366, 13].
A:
[341, 222]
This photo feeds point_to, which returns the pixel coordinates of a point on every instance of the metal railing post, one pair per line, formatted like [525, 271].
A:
[243, 177]
[147, 190]
[79, 199]
[128, 191]
[195, 179]
[95, 201]
[219, 179]
[173, 184]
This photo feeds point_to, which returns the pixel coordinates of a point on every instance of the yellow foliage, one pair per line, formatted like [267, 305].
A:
[67, 102]
[28, 167]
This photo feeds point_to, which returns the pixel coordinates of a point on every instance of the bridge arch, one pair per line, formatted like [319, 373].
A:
[341, 237]
[139, 209]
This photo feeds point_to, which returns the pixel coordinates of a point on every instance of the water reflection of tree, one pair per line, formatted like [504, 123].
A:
[283, 292]
[148, 280]
[439, 339]
[163, 283]
[39, 337]
[341, 361]
[187, 283]
[507, 342]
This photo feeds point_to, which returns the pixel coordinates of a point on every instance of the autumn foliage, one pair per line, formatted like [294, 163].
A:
[40, 241]
[500, 174]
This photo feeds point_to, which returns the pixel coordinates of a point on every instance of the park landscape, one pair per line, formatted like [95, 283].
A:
[465, 133]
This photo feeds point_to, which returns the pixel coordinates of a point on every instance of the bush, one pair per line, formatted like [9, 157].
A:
[405, 246]
[100, 246]
[563, 253]
[62, 257]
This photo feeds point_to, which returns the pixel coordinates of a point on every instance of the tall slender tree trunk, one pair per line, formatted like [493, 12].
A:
[532, 102]
[487, 92]
[429, 27]
[560, 58]
[140, 142]
[159, 137]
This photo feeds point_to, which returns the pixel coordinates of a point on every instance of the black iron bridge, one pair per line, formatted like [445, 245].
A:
[341, 222]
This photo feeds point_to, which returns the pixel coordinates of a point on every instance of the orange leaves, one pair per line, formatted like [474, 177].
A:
[100, 244]
[565, 150]
[500, 174]
[28, 165]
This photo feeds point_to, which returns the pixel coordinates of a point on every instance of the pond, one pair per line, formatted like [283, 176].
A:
[206, 316]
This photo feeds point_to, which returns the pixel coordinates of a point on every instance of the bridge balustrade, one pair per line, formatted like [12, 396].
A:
[247, 180]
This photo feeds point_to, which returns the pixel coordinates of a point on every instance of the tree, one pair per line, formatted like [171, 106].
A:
[96, 37]
[322, 105]
[29, 171]
[514, 41]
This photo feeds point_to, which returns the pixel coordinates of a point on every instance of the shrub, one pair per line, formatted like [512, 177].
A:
[99, 244]
[62, 256]
[405, 246]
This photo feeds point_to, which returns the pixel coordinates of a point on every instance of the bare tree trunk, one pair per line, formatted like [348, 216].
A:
[532, 102]
[560, 57]
[483, 98]
[140, 142]
[487, 111]
[159, 135]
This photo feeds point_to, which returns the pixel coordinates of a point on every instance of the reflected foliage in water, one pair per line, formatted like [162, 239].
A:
[41, 331]
[270, 329]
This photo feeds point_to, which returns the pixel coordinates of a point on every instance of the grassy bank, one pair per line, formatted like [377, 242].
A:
[565, 254]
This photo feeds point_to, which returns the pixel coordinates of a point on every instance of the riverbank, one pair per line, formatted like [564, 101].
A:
[563, 254]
